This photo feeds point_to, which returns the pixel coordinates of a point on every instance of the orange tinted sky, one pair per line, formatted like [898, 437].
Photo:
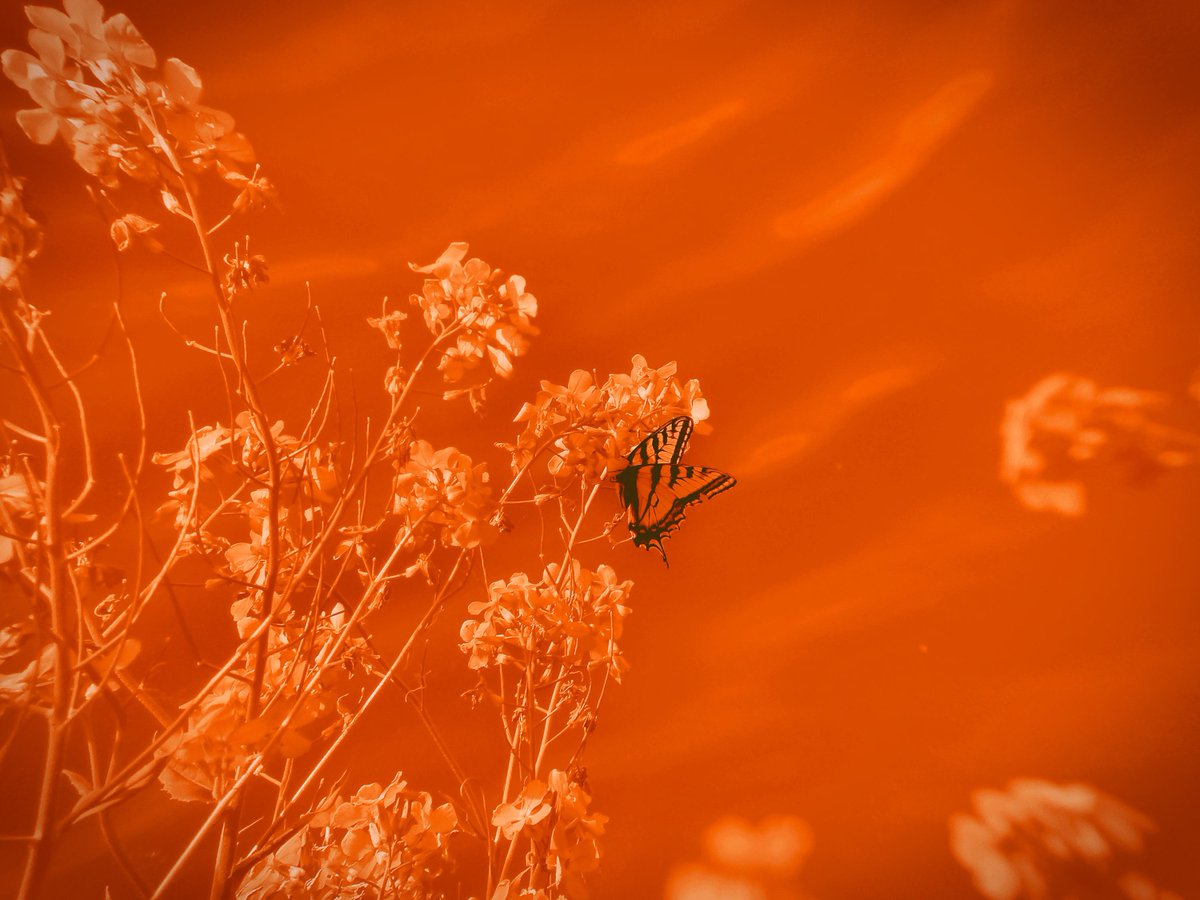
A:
[863, 228]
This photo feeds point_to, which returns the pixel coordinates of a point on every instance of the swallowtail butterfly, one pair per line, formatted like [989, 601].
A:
[656, 490]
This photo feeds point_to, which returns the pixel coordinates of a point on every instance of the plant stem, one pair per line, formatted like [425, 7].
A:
[60, 628]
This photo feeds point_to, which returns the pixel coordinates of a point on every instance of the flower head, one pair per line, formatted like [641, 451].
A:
[525, 812]
[1038, 839]
[574, 620]
[1066, 421]
[385, 840]
[589, 428]
[442, 493]
[488, 313]
[91, 78]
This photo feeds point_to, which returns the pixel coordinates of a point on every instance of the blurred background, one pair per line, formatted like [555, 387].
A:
[864, 227]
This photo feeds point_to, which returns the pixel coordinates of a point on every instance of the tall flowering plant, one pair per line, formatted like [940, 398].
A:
[304, 530]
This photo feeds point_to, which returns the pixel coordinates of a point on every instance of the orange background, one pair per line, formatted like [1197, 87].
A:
[863, 227]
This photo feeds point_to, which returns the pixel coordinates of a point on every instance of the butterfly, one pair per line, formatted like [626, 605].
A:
[656, 490]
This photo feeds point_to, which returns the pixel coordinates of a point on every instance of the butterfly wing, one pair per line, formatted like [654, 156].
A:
[658, 495]
[664, 445]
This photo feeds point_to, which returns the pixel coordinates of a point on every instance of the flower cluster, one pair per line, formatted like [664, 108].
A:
[1066, 420]
[1041, 840]
[18, 510]
[30, 687]
[589, 428]
[91, 82]
[20, 234]
[295, 533]
[443, 496]
[247, 560]
[130, 229]
[382, 842]
[487, 314]
[390, 325]
[205, 756]
[556, 816]
[202, 759]
[308, 473]
[244, 271]
[572, 622]
[558, 641]
[745, 859]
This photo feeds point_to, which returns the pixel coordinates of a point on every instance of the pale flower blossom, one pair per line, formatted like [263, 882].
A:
[558, 809]
[1066, 422]
[1042, 841]
[525, 812]
[384, 841]
[443, 494]
[590, 427]
[778, 845]
[488, 314]
[743, 859]
[20, 234]
[91, 78]
[389, 325]
[576, 622]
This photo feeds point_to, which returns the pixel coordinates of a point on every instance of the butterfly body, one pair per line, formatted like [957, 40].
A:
[656, 489]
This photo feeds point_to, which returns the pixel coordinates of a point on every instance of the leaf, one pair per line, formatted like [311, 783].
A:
[52, 20]
[252, 732]
[452, 254]
[142, 776]
[443, 820]
[182, 82]
[50, 95]
[127, 41]
[182, 788]
[39, 125]
[14, 494]
[17, 66]
[292, 744]
[81, 784]
[235, 147]
[130, 227]
[132, 785]
[49, 48]
[172, 204]
[89, 13]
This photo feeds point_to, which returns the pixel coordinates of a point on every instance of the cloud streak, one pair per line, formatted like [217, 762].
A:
[917, 138]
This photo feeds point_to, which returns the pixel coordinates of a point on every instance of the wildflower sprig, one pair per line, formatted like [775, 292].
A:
[383, 839]
[1066, 423]
[545, 650]
[97, 86]
[591, 426]
[538, 629]
[1041, 839]
[302, 531]
[487, 314]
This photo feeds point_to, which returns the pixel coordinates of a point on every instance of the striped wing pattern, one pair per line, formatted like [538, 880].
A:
[666, 445]
[656, 490]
